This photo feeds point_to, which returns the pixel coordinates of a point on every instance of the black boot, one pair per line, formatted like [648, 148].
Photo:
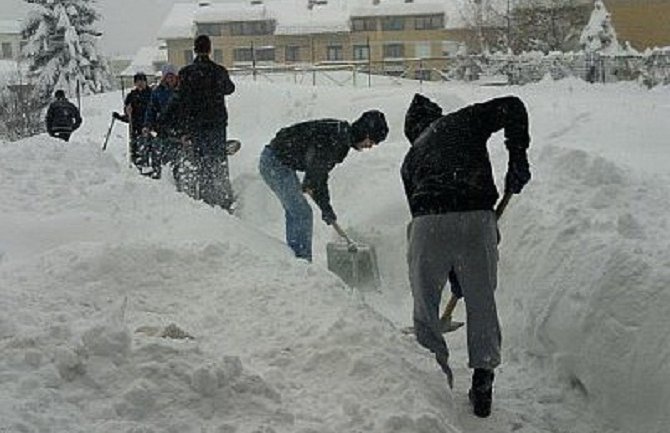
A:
[481, 393]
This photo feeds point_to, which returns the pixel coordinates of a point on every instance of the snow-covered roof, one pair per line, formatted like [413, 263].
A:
[390, 8]
[146, 60]
[179, 22]
[10, 27]
[294, 17]
[227, 12]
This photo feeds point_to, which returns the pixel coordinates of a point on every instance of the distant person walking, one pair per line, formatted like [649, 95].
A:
[313, 147]
[451, 194]
[203, 86]
[63, 117]
[135, 106]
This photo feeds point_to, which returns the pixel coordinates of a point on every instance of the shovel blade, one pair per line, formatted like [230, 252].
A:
[356, 268]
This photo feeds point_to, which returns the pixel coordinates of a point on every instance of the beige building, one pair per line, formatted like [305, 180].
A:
[10, 39]
[644, 23]
[394, 36]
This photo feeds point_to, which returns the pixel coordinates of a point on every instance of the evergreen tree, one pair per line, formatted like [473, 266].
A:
[61, 48]
[599, 34]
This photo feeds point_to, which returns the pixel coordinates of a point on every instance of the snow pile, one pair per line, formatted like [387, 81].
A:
[94, 259]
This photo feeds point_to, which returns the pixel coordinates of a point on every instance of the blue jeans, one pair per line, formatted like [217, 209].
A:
[284, 182]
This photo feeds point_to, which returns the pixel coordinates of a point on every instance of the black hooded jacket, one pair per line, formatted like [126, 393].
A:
[447, 169]
[203, 86]
[62, 116]
[315, 147]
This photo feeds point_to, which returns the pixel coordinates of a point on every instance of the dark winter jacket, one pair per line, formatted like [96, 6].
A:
[62, 116]
[158, 101]
[203, 87]
[315, 147]
[138, 101]
[447, 169]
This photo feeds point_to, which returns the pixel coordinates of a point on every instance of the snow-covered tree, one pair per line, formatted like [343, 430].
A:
[547, 25]
[599, 34]
[61, 48]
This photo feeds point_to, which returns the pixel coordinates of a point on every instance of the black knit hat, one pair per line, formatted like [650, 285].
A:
[202, 45]
[420, 114]
[371, 124]
[140, 76]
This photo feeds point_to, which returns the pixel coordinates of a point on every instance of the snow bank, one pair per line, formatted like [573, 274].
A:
[90, 253]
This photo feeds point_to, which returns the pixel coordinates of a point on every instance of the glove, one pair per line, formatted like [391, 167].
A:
[518, 174]
[328, 216]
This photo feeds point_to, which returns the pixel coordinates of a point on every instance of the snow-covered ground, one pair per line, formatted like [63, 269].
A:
[93, 257]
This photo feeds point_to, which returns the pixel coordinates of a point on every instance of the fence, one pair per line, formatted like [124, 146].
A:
[651, 69]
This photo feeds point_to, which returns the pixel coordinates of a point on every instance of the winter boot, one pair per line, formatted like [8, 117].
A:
[481, 393]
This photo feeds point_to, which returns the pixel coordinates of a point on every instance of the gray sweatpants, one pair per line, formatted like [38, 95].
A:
[466, 242]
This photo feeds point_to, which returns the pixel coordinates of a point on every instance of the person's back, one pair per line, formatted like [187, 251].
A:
[327, 139]
[204, 86]
[452, 157]
[200, 102]
[63, 117]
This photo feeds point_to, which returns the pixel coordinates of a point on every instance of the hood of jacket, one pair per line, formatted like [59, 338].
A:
[420, 114]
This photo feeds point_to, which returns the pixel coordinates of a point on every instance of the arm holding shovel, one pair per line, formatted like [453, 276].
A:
[330, 219]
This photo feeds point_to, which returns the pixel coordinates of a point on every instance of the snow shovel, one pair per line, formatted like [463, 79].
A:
[355, 263]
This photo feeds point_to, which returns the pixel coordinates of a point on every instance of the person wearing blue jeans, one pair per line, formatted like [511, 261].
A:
[313, 147]
[284, 182]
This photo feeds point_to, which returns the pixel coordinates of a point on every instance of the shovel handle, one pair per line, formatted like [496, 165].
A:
[503, 204]
[351, 245]
[341, 232]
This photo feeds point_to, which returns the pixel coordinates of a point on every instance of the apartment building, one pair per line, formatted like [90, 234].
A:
[10, 39]
[393, 36]
[643, 23]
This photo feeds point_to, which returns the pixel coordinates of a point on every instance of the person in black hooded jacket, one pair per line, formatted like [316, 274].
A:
[63, 117]
[313, 147]
[201, 102]
[451, 193]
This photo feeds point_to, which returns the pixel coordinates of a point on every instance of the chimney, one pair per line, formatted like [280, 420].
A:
[256, 2]
[375, 2]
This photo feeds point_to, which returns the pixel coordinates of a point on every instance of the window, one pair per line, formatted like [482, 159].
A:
[334, 52]
[265, 54]
[188, 56]
[243, 55]
[422, 74]
[394, 50]
[422, 50]
[292, 53]
[393, 23]
[209, 29]
[450, 48]
[251, 28]
[430, 22]
[361, 52]
[6, 50]
[364, 24]
[218, 55]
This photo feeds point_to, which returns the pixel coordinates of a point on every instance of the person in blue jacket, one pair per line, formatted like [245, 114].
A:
[159, 146]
